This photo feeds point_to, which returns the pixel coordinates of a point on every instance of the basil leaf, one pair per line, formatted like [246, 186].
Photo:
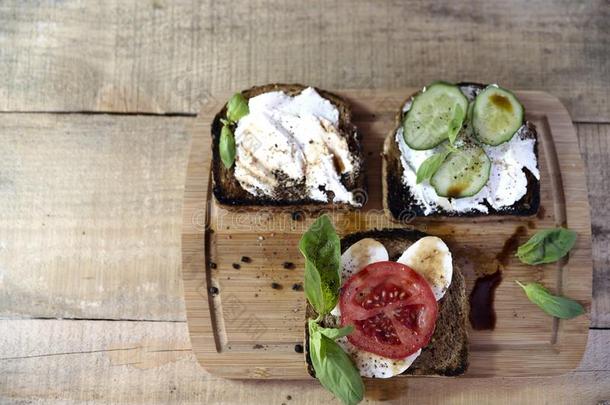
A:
[321, 248]
[547, 246]
[312, 285]
[334, 369]
[237, 107]
[456, 123]
[226, 146]
[553, 305]
[431, 165]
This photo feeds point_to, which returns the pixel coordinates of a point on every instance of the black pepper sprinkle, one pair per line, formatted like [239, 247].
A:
[297, 287]
[213, 290]
[213, 265]
[236, 266]
[298, 348]
[276, 286]
[246, 259]
[288, 397]
[297, 216]
[288, 265]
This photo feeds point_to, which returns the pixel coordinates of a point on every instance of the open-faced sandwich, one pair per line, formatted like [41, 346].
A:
[461, 150]
[392, 303]
[287, 145]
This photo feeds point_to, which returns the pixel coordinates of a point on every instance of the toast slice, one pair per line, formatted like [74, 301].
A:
[227, 189]
[398, 198]
[447, 352]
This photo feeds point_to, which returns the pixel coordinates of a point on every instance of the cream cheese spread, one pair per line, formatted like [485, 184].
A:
[293, 143]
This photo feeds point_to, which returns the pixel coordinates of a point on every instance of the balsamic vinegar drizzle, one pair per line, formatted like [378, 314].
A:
[482, 314]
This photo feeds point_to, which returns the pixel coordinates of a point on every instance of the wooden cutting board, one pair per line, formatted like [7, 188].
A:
[239, 268]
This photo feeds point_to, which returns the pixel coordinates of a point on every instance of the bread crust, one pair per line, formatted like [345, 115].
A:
[229, 192]
[400, 204]
[447, 352]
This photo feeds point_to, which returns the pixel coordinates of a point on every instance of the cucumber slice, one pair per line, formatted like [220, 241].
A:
[497, 115]
[463, 173]
[436, 114]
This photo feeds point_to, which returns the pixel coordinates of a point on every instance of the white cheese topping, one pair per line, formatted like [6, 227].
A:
[507, 182]
[292, 143]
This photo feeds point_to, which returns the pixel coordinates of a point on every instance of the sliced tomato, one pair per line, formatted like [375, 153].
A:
[392, 308]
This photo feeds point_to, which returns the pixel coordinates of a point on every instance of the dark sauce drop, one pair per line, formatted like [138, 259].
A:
[456, 190]
[482, 314]
[501, 102]
[541, 212]
[511, 245]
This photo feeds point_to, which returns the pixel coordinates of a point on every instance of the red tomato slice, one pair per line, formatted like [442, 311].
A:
[392, 308]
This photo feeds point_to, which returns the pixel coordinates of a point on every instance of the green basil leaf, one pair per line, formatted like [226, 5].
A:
[547, 246]
[553, 305]
[334, 369]
[237, 107]
[321, 248]
[334, 333]
[456, 123]
[314, 291]
[431, 165]
[227, 147]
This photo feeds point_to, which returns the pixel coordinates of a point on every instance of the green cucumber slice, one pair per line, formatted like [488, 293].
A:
[497, 115]
[436, 115]
[463, 173]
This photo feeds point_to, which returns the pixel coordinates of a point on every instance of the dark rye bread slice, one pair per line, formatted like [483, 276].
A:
[447, 352]
[227, 189]
[400, 204]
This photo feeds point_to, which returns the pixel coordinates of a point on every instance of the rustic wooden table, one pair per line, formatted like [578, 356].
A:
[95, 104]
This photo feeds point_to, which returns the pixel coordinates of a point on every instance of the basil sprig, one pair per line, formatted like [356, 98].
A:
[334, 369]
[321, 248]
[547, 246]
[333, 366]
[237, 107]
[560, 307]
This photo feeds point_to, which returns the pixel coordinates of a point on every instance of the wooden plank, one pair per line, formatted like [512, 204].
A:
[595, 148]
[55, 361]
[169, 56]
[245, 312]
[90, 218]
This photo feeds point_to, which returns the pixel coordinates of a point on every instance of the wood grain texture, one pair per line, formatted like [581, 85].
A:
[247, 328]
[90, 217]
[99, 362]
[169, 56]
[594, 143]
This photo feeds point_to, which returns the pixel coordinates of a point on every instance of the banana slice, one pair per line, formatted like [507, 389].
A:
[431, 258]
